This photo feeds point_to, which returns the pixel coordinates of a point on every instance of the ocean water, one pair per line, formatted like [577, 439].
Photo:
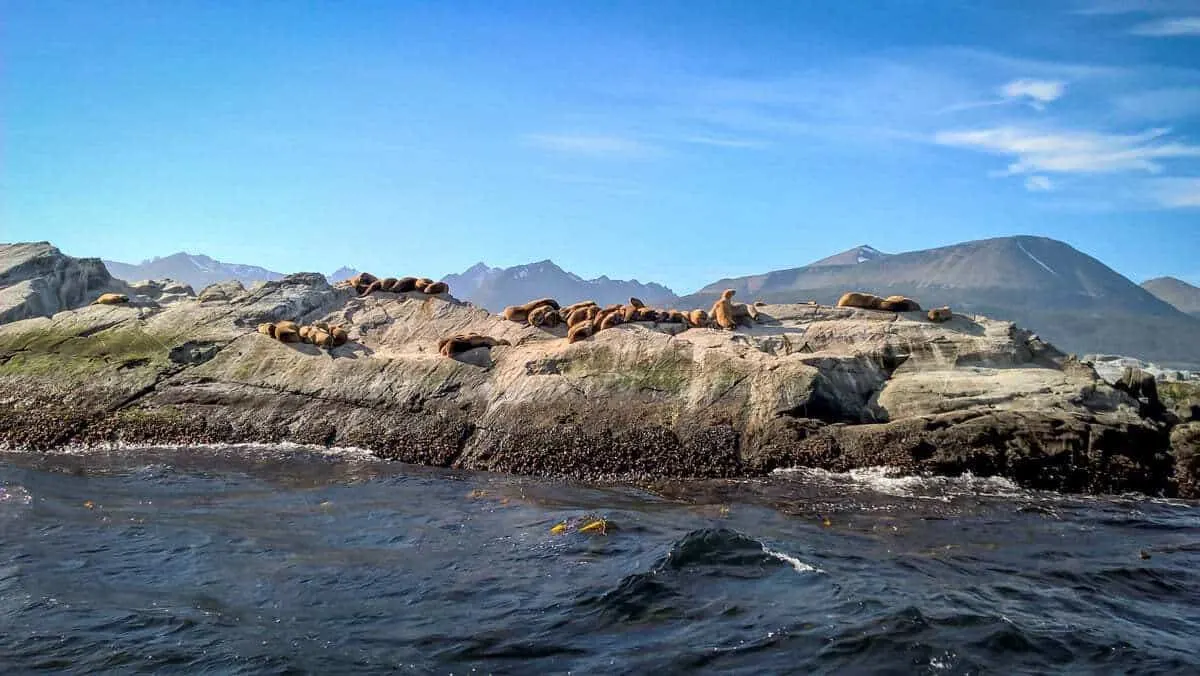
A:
[263, 560]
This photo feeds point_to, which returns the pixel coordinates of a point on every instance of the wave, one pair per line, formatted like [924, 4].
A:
[894, 482]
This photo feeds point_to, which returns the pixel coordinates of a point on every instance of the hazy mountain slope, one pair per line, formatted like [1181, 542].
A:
[343, 273]
[197, 270]
[1180, 294]
[1072, 299]
[495, 288]
[859, 254]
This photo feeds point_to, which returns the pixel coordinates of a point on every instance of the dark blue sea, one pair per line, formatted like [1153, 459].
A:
[291, 561]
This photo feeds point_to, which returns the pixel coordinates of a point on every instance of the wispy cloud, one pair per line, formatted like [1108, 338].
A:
[1039, 91]
[1038, 184]
[1072, 151]
[1172, 27]
[1159, 104]
[1114, 7]
[593, 145]
[1179, 193]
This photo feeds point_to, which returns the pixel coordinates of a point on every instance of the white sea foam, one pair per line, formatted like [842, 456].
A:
[343, 452]
[890, 481]
[797, 564]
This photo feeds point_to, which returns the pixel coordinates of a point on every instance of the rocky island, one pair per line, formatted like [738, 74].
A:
[805, 385]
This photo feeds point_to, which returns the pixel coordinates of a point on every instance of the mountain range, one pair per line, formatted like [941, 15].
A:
[496, 288]
[1068, 297]
[1177, 292]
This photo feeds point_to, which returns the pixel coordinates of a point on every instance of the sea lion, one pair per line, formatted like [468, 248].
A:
[287, 332]
[339, 335]
[452, 345]
[324, 326]
[580, 331]
[610, 319]
[722, 311]
[583, 314]
[742, 311]
[698, 319]
[867, 301]
[111, 299]
[940, 314]
[362, 280]
[575, 306]
[675, 317]
[374, 286]
[303, 331]
[421, 283]
[520, 313]
[645, 314]
[267, 329]
[544, 316]
[319, 338]
[405, 284]
[899, 304]
[636, 302]
[436, 288]
[616, 307]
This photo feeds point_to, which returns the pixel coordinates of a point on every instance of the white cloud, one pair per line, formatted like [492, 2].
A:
[1040, 91]
[1038, 184]
[1072, 151]
[593, 145]
[1178, 26]
[1178, 193]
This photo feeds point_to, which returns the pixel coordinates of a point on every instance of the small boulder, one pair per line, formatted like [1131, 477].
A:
[1185, 445]
[221, 292]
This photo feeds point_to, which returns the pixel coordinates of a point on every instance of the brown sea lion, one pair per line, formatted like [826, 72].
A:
[421, 283]
[645, 314]
[320, 338]
[610, 319]
[111, 299]
[362, 280]
[722, 311]
[520, 313]
[303, 332]
[339, 335]
[899, 304]
[867, 301]
[267, 329]
[583, 314]
[636, 302]
[544, 316]
[405, 284]
[580, 331]
[575, 306]
[436, 288]
[452, 345]
[940, 314]
[698, 319]
[287, 332]
[371, 288]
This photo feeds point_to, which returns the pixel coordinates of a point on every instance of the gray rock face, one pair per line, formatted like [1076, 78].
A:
[162, 291]
[221, 292]
[37, 280]
[835, 388]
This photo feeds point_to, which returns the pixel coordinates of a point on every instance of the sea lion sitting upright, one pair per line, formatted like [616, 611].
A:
[722, 311]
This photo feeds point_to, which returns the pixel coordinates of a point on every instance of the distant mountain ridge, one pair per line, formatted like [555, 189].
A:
[1180, 294]
[197, 270]
[859, 254]
[496, 288]
[1070, 298]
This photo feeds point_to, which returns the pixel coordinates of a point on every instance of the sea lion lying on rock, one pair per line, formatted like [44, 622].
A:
[435, 288]
[452, 345]
[111, 299]
[267, 329]
[579, 331]
[544, 316]
[866, 301]
[899, 304]
[520, 313]
[698, 319]
[287, 332]
[940, 314]
[361, 281]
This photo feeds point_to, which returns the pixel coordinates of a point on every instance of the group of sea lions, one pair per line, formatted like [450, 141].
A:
[586, 318]
[869, 301]
[365, 284]
[321, 334]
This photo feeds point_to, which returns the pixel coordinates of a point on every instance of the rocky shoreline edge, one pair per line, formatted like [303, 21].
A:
[806, 386]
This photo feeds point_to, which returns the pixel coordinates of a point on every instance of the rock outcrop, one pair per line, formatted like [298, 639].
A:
[836, 388]
[38, 280]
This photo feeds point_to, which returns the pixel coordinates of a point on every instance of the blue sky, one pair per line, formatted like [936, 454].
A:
[677, 142]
